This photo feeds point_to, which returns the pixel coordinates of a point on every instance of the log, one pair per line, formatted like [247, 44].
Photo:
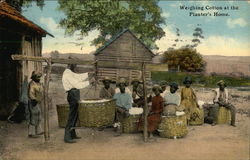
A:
[145, 108]
[53, 60]
[46, 100]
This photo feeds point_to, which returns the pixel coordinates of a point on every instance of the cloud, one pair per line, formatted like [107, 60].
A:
[231, 23]
[169, 39]
[69, 44]
[165, 14]
[212, 45]
[50, 24]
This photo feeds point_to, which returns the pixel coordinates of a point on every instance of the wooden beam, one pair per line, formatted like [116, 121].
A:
[53, 60]
[128, 64]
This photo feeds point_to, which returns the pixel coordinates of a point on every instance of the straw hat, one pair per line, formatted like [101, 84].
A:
[174, 84]
[36, 74]
[122, 81]
[136, 80]
[187, 79]
[221, 82]
[106, 79]
[157, 87]
[163, 83]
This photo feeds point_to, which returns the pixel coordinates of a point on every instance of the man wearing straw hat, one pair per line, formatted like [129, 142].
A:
[123, 104]
[221, 100]
[33, 113]
[107, 92]
[72, 82]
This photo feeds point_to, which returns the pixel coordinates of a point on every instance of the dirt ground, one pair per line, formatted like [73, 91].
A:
[206, 142]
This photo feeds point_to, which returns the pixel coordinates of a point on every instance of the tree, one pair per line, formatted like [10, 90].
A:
[54, 54]
[18, 4]
[187, 59]
[111, 17]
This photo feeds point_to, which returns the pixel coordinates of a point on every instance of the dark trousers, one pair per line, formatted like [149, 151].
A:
[73, 99]
[119, 113]
[228, 106]
[208, 114]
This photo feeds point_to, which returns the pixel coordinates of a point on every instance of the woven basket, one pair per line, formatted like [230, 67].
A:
[174, 126]
[130, 124]
[62, 114]
[97, 114]
[199, 120]
[224, 116]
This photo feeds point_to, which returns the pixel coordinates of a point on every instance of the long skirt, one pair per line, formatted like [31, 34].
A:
[153, 122]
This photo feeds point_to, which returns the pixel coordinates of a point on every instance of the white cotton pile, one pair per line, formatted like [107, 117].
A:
[210, 102]
[179, 113]
[201, 103]
[135, 111]
[95, 101]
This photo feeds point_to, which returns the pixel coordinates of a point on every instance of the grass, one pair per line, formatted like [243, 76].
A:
[199, 79]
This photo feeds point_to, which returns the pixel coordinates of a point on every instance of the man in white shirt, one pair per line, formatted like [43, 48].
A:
[72, 82]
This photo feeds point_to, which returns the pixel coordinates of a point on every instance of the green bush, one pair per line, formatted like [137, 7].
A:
[199, 79]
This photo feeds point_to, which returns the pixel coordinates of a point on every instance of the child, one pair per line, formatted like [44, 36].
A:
[154, 116]
[35, 96]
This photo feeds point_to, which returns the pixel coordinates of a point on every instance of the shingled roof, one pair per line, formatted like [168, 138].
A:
[7, 11]
[116, 37]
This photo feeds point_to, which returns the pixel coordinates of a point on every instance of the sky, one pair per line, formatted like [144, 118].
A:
[223, 35]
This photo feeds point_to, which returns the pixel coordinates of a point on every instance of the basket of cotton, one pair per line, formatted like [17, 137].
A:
[96, 113]
[224, 116]
[130, 123]
[173, 126]
[197, 117]
[62, 114]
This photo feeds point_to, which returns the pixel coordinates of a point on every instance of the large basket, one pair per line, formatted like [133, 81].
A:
[199, 120]
[97, 114]
[173, 126]
[62, 114]
[223, 116]
[130, 124]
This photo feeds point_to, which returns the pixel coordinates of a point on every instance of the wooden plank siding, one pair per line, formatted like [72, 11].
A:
[31, 46]
[119, 58]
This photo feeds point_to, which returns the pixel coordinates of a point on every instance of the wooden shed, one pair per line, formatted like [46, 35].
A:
[117, 56]
[18, 35]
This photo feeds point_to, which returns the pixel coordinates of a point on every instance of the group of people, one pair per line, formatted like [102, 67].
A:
[160, 100]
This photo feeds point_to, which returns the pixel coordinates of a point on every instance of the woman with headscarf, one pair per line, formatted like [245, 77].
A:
[189, 101]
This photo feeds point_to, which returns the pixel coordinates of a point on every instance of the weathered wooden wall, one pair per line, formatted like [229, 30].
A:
[117, 59]
[31, 46]
[12, 72]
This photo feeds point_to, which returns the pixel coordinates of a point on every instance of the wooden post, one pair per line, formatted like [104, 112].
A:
[46, 100]
[49, 62]
[145, 108]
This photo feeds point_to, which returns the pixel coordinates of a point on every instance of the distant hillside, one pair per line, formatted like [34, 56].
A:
[228, 65]
[72, 55]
